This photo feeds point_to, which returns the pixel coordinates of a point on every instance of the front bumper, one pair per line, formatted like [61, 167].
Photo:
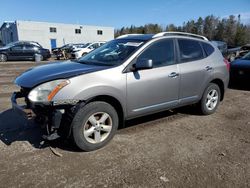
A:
[21, 109]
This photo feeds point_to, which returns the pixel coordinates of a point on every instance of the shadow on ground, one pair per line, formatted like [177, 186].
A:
[14, 127]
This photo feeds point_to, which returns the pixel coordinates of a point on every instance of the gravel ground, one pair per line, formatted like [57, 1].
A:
[172, 149]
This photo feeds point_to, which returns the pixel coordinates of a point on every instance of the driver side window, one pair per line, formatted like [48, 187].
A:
[160, 52]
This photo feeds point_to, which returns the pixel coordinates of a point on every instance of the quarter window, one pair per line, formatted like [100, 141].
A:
[207, 48]
[77, 31]
[52, 29]
[190, 50]
[161, 53]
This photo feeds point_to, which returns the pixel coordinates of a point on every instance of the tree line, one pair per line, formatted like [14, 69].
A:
[230, 30]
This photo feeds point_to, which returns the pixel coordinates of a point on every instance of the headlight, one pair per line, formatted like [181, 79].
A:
[45, 92]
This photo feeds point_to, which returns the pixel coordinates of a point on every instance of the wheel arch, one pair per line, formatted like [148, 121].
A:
[220, 83]
[113, 102]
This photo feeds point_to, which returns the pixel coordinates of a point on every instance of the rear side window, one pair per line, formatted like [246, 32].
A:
[190, 50]
[161, 52]
[207, 48]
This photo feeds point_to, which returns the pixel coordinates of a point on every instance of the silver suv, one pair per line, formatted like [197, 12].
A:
[131, 76]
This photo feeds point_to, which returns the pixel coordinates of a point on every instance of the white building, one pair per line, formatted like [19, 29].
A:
[51, 35]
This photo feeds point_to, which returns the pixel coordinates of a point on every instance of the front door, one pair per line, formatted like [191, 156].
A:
[154, 89]
[16, 52]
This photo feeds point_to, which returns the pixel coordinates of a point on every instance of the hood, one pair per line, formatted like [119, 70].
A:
[240, 63]
[53, 71]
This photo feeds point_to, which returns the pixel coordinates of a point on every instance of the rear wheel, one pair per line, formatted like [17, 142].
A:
[3, 58]
[210, 99]
[94, 125]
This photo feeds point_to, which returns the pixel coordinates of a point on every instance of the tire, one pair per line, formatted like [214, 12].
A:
[210, 99]
[84, 54]
[88, 132]
[3, 58]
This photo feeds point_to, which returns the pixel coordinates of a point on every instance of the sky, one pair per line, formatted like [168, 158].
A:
[119, 13]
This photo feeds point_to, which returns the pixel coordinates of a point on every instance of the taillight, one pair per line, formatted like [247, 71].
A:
[227, 64]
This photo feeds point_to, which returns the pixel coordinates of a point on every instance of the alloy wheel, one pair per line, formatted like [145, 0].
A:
[212, 99]
[97, 128]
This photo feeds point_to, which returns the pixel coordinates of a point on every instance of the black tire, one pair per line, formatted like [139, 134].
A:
[82, 117]
[42, 58]
[84, 54]
[203, 107]
[3, 58]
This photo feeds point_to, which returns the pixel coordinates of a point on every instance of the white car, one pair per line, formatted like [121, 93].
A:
[79, 52]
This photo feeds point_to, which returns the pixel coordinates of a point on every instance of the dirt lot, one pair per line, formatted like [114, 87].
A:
[170, 149]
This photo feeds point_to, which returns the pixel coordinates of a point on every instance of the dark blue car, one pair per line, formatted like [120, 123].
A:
[240, 69]
[23, 50]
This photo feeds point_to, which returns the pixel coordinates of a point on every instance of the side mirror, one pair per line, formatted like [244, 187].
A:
[143, 64]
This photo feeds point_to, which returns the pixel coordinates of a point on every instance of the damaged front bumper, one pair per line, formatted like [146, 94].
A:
[21, 109]
[54, 116]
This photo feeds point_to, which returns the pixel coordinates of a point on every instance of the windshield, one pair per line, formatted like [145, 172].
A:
[246, 57]
[112, 53]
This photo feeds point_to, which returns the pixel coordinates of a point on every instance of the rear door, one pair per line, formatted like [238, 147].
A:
[195, 70]
[154, 89]
[29, 51]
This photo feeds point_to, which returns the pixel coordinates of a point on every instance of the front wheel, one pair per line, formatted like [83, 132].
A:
[94, 125]
[210, 99]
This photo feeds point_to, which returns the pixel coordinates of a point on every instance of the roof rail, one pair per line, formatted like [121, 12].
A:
[127, 35]
[180, 34]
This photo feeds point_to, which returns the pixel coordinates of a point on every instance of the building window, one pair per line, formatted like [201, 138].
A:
[52, 29]
[99, 32]
[77, 31]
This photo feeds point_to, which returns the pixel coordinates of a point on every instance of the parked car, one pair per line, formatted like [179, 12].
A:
[61, 51]
[240, 70]
[129, 77]
[23, 50]
[77, 53]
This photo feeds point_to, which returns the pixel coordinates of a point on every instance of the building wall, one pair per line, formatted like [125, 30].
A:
[65, 33]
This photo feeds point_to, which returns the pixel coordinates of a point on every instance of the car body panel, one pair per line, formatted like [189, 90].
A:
[53, 71]
[151, 90]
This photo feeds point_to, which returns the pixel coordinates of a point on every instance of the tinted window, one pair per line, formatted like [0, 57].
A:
[207, 48]
[95, 45]
[190, 50]
[161, 52]
[29, 47]
[18, 47]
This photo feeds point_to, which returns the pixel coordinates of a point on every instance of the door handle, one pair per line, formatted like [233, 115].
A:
[208, 68]
[173, 75]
